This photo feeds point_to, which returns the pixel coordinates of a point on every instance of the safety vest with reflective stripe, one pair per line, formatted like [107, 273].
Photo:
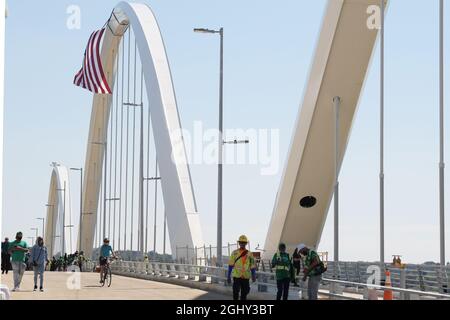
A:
[242, 267]
[283, 265]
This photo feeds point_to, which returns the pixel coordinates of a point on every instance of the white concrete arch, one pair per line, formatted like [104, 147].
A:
[343, 55]
[182, 216]
[58, 238]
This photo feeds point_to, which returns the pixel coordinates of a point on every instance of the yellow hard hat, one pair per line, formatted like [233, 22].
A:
[243, 239]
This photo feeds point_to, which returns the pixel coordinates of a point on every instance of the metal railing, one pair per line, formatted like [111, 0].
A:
[266, 282]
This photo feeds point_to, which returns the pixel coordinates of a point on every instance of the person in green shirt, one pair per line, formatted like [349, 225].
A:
[284, 271]
[18, 249]
[314, 268]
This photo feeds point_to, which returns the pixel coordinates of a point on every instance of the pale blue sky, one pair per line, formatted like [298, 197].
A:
[268, 51]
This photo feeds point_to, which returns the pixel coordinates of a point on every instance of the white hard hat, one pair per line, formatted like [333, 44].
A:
[301, 246]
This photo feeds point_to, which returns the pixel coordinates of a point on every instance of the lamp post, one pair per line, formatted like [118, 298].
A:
[63, 247]
[382, 255]
[81, 206]
[441, 135]
[336, 105]
[155, 178]
[219, 169]
[43, 227]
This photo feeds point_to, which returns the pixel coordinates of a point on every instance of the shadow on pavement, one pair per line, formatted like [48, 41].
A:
[212, 296]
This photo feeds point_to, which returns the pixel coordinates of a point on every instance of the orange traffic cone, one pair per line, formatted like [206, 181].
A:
[388, 294]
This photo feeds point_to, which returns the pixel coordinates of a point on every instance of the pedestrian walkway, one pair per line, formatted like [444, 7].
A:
[122, 288]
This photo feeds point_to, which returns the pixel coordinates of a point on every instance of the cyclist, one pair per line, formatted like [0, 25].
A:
[105, 252]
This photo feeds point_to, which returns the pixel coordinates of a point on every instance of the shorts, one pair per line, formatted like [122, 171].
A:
[103, 261]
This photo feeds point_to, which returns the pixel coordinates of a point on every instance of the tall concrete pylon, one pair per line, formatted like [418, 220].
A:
[179, 201]
[342, 58]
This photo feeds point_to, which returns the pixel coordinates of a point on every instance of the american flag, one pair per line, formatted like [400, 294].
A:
[91, 75]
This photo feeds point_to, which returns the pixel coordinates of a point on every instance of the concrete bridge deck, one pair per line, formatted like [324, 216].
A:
[122, 288]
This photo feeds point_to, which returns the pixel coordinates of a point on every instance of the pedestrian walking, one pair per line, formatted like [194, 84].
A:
[284, 271]
[81, 260]
[241, 266]
[39, 258]
[18, 249]
[6, 257]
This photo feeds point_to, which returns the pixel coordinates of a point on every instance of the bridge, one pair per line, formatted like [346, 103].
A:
[115, 199]
[136, 147]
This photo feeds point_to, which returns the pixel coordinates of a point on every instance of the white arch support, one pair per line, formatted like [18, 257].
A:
[343, 55]
[58, 233]
[182, 216]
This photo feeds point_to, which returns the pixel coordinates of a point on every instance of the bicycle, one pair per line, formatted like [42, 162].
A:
[106, 273]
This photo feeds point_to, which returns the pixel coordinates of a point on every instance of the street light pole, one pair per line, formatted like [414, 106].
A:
[441, 134]
[337, 103]
[63, 247]
[141, 184]
[81, 207]
[220, 169]
[220, 145]
[155, 178]
[382, 254]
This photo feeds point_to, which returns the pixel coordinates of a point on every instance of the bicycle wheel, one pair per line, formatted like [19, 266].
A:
[104, 277]
[108, 276]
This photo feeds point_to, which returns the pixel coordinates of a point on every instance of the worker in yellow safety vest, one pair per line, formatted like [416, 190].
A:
[241, 266]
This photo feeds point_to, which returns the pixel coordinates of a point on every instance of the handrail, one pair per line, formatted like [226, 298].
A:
[263, 278]
[379, 287]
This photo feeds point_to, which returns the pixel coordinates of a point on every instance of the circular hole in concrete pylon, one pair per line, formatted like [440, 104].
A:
[308, 202]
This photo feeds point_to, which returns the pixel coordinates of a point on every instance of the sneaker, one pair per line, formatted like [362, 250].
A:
[41, 289]
[15, 289]
[35, 288]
